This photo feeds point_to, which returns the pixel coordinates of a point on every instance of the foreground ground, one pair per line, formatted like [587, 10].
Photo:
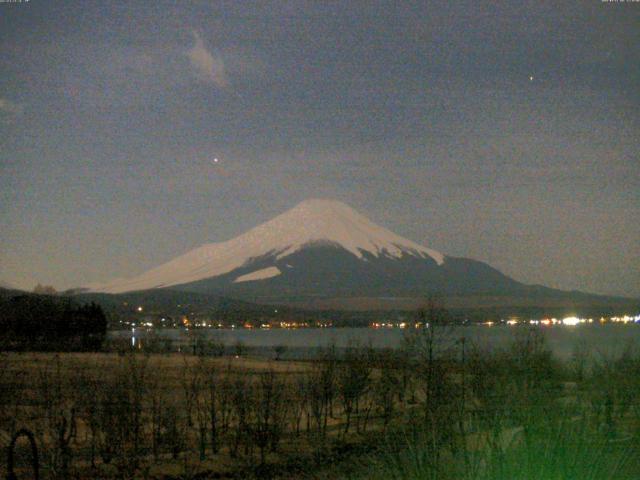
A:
[412, 413]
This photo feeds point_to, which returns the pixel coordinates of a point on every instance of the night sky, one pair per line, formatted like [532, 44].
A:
[508, 132]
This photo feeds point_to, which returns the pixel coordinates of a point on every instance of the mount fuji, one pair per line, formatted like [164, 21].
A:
[321, 251]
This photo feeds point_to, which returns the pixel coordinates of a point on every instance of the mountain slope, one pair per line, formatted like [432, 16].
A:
[322, 254]
[321, 270]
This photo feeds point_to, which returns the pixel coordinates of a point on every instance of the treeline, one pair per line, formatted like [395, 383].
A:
[48, 323]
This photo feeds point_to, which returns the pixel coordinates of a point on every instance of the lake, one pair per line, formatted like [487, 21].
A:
[607, 340]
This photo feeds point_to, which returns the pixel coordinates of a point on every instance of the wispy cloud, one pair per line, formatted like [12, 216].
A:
[9, 110]
[208, 67]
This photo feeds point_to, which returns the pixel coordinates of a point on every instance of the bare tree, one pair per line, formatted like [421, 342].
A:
[322, 389]
[299, 405]
[269, 413]
[209, 402]
[352, 380]
[429, 350]
[157, 403]
[386, 387]
[190, 384]
[242, 397]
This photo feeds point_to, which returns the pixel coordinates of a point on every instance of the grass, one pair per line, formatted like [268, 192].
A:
[564, 449]
[586, 429]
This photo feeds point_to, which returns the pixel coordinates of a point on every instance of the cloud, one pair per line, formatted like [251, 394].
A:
[209, 68]
[9, 110]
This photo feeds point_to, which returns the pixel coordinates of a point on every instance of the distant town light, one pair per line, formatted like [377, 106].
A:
[571, 321]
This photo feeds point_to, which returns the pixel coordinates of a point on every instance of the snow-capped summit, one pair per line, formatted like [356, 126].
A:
[311, 222]
[320, 220]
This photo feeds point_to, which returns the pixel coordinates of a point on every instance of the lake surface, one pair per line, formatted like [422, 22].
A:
[607, 340]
